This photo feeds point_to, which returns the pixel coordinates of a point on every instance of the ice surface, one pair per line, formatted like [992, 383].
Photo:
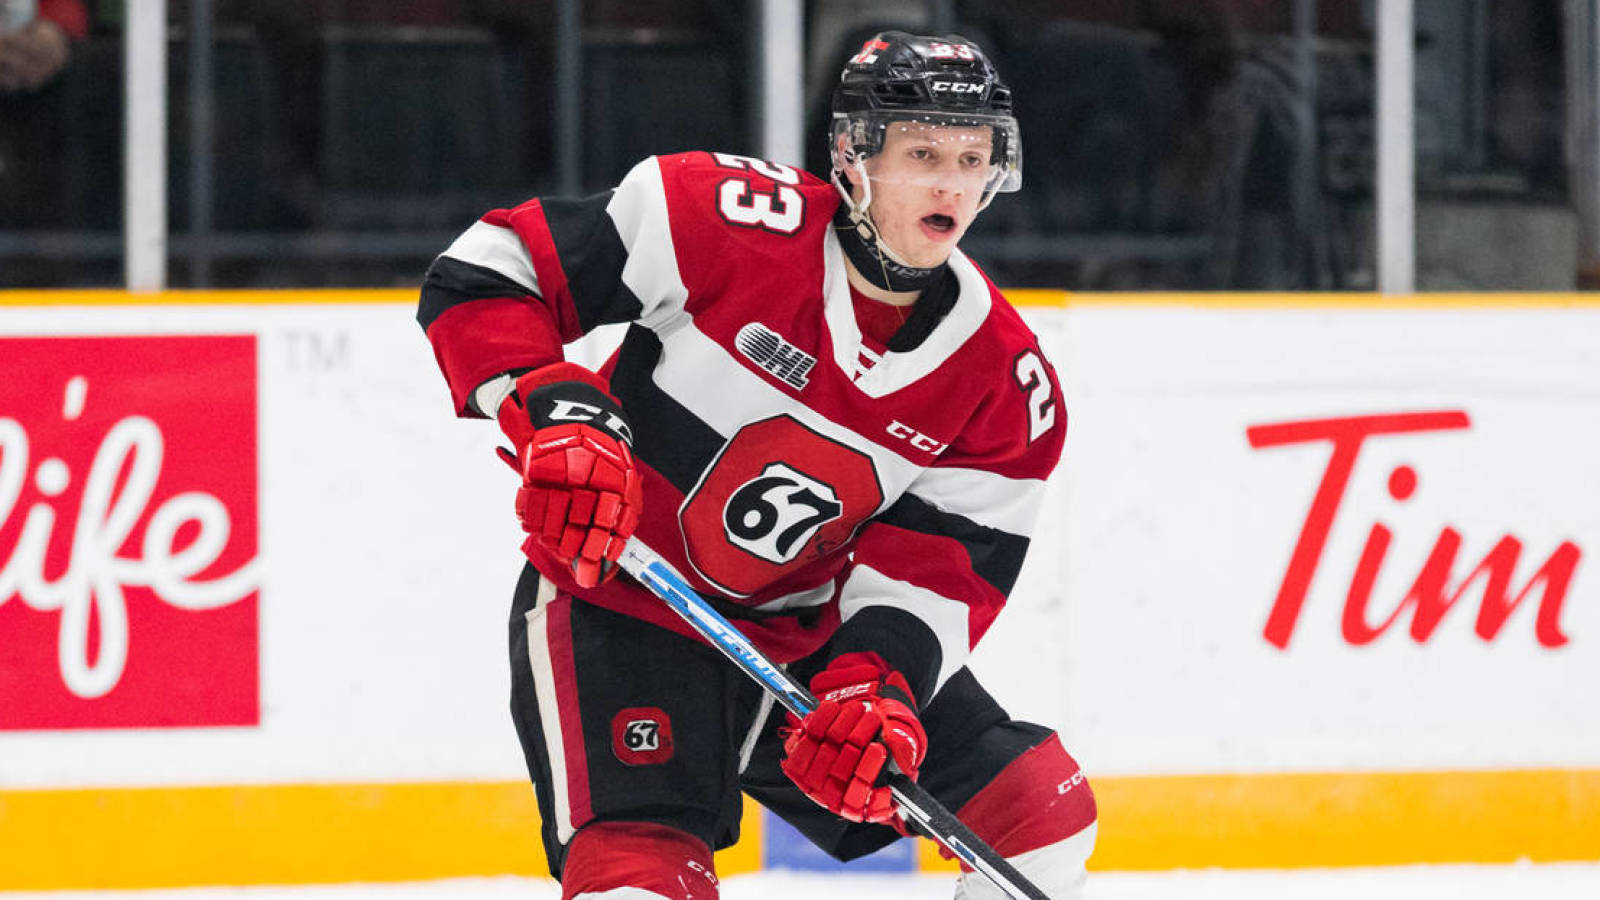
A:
[1564, 881]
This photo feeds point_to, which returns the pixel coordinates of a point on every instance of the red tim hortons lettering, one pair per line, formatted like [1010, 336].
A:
[128, 571]
[1431, 595]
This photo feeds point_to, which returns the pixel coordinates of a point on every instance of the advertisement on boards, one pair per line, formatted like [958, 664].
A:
[128, 532]
[1314, 540]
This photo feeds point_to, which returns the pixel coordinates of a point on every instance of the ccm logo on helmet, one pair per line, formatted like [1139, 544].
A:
[956, 87]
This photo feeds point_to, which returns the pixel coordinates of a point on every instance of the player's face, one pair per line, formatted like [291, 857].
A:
[926, 186]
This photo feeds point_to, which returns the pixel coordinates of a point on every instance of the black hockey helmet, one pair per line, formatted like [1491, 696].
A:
[947, 80]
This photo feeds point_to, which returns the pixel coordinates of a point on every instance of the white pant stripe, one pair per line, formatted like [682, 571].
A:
[544, 688]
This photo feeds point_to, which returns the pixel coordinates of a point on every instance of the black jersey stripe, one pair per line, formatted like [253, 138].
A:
[667, 436]
[450, 282]
[996, 555]
[904, 641]
[592, 256]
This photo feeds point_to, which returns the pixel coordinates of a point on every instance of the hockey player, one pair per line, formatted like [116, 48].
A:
[834, 424]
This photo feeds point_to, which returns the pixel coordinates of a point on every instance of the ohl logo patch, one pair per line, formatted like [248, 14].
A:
[767, 349]
[129, 581]
[641, 736]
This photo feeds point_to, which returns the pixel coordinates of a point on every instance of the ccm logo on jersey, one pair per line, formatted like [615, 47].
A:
[574, 411]
[916, 438]
[956, 87]
[1070, 783]
[641, 736]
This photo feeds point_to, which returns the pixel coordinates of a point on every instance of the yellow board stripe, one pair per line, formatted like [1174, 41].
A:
[287, 834]
[1343, 819]
[1024, 297]
[281, 834]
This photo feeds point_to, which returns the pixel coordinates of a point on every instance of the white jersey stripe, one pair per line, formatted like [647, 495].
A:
[947, 618]
[544, 688]
[817, 596]
[703, 376]
[895, 370]
[989, 499]
[899, 369]
[497, 248]
[638, 208]
[837, 308]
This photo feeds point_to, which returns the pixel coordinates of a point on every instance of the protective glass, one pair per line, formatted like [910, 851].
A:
[974, 152]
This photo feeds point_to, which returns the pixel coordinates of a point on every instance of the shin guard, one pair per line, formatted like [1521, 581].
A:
[637, 861]
[1038, 813]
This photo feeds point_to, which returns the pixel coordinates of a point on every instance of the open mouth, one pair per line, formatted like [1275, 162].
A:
[939, 222]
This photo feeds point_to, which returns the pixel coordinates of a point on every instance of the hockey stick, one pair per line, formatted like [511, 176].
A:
[916, 805]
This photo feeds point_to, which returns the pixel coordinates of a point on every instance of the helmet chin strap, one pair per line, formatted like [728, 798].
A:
[865, 247]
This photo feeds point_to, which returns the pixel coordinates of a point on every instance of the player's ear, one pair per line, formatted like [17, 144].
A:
[852, 172]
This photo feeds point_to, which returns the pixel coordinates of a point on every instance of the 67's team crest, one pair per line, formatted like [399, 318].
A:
[763, 508]
[641, 736]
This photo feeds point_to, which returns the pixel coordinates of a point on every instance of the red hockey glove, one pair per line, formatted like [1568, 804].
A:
[580, 494]
[865, 716]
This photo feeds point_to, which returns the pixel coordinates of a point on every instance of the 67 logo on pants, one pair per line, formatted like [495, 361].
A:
[641, 736]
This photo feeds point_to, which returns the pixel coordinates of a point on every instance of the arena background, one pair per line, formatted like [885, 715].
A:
[1311, 589]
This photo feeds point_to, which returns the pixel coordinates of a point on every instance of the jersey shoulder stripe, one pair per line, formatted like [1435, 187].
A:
[996, 556]
[497, 248]
[990, 499]
[668, 436]
[450, 283]
[590, 252]
[866, 588]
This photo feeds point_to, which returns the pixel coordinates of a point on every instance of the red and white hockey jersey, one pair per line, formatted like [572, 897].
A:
[798, 481]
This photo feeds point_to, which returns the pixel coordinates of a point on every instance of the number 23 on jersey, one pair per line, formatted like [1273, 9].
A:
[753, 203]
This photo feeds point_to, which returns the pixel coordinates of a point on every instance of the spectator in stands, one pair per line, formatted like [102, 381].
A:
[35, 53]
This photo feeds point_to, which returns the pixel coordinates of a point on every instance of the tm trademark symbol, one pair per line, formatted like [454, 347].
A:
[312, 351]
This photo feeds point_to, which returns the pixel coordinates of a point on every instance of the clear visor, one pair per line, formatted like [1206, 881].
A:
[947, 151]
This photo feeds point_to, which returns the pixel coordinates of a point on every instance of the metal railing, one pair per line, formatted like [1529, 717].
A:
[146, 243]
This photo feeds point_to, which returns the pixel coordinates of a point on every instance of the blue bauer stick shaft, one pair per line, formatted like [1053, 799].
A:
[916, 805]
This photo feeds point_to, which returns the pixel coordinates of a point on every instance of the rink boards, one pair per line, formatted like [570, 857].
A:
[1311, 588]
